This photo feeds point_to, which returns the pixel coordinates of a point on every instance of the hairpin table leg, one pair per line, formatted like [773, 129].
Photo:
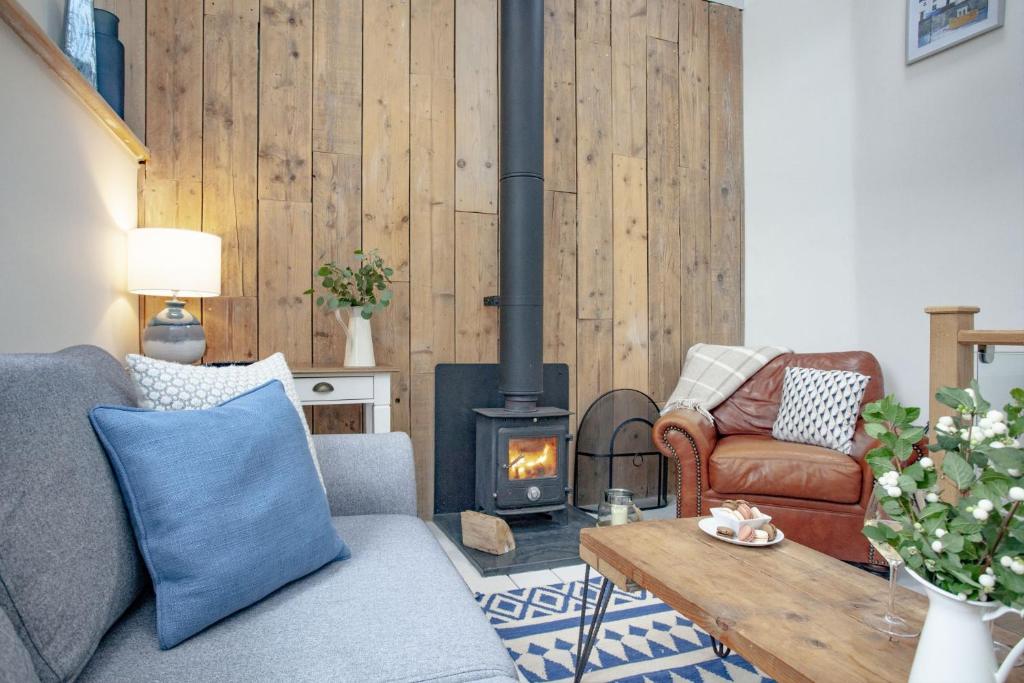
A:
[719, 648]
[603, 598]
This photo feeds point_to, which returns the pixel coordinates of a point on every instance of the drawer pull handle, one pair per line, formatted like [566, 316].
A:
[323, 388]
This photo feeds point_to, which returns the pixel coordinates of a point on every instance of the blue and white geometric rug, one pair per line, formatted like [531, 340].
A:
[641, 640]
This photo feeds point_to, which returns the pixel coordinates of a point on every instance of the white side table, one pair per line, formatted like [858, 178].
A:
[346, 386]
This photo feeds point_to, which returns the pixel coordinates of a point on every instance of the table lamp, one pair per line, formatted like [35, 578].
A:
[172, 262]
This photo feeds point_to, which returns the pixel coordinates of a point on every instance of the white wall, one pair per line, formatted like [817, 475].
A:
[67, 194]
[869, 183]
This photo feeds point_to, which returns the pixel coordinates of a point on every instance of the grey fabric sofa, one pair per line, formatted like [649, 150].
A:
[74, 598]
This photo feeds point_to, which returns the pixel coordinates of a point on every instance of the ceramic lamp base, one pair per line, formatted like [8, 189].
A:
[174, 335]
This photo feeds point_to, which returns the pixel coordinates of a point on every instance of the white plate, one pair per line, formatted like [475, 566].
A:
[708, 525]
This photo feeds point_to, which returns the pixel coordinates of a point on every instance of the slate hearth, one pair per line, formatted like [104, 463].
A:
[541, 542]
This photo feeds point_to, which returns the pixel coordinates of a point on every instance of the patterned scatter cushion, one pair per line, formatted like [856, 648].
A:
[820, 407]
[162, 385]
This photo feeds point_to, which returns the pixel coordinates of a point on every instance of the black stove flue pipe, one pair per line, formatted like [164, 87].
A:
[522, 203]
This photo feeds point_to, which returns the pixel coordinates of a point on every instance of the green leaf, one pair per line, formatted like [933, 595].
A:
[367, 312]
[323, 270]
[915, 472]
[875, 430]
[388, 272]
[907, 484]
[386, 296]
[957, 469]
[880, 532]
[954, 398]
[308, 291]
[913, 413]
[953, 543]
[319, 301]
[912, 435]
[934, 509]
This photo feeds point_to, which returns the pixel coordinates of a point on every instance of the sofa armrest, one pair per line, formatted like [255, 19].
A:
[367, 474]
[688, 437]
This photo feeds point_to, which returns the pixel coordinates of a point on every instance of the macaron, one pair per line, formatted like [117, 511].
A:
[730, 504]
[744, 510]
[756, 512]
[770, 530]
[725, 531]
[745, 534]
[760, 534]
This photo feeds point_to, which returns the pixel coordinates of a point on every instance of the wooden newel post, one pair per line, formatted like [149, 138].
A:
[950, 364]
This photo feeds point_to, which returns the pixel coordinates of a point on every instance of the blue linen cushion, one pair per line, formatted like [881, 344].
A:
[225, 503]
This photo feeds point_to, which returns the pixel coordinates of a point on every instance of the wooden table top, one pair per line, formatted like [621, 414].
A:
[790, 610]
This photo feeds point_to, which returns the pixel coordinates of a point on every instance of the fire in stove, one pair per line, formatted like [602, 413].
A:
[533, 458]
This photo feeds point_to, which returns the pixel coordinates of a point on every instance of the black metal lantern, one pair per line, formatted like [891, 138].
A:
[615, 449]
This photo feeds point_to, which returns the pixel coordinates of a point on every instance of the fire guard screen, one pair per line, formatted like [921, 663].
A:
[615, 449]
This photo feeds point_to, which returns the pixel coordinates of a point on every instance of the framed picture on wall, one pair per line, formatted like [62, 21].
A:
[934, 25]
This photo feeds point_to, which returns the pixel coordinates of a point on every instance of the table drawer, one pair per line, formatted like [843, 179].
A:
[335, 389]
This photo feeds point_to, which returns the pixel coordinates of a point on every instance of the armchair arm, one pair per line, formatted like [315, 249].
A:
[367, 474]
[690, 438]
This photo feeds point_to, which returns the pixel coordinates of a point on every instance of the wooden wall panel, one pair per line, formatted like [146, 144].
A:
[174, 89]
[476, 106]
[559, 96]
[630, 368]
[694, 165]
[286, 85]
[594, 179]
[231, 328]
[664, 295]
[391, 347]
[338, 76]
[386, 132]
[725, 41]
[476, 252]
[335, 124]
[663, 19]
[336, 234]
[285, 271]
[230, 138]
[432, 222]
[594, 21]
[629, 77]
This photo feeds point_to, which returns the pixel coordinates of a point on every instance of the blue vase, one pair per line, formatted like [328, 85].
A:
[109, 60]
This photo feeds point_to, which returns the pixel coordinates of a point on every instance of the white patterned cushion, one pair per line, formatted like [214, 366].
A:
[162, 385]
[820, 407]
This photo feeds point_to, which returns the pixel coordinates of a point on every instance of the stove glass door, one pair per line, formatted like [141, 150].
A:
[534, 457]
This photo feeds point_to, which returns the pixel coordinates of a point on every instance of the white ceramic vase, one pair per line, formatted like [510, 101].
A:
[358, 338]
[956, 641]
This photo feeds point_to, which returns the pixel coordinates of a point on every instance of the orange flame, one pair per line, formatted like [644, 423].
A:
[533, 458]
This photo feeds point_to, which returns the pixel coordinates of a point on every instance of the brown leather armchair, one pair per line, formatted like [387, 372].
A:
[817, 496]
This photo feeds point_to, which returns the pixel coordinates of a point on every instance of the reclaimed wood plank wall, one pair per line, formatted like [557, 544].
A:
[300, 130]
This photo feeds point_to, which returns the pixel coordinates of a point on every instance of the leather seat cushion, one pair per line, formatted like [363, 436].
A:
[747, 464]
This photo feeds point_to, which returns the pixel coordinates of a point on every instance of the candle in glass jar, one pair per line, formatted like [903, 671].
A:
[620, 514]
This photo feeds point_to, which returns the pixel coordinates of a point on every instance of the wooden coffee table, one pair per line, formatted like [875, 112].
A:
[795, 613]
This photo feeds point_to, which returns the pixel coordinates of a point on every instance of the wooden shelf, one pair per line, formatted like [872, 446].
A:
[26, 28]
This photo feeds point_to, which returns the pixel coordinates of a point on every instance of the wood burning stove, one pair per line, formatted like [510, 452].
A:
[522, 449]
[522, 461]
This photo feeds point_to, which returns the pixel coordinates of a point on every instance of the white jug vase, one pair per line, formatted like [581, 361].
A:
[358, 338]
[956, 641]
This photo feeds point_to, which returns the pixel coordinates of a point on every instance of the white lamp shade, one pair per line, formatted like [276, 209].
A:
[169, 261]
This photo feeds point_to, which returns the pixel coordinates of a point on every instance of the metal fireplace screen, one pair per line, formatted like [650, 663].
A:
[615, 449]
